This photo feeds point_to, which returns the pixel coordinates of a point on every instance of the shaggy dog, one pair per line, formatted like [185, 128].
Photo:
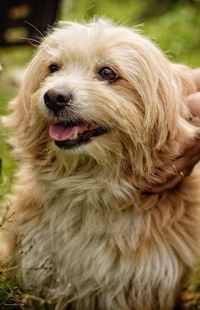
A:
[100, 113]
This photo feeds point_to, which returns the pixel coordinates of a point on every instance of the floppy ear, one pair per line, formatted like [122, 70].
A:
[21, 120]
[161, 87]
[33, 77]
[35, 73]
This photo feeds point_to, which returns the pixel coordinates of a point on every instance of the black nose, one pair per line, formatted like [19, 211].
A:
[56, 100]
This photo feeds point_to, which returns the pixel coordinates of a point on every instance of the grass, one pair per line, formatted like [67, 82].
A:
[177, 32]
[11, 60]
[13, 297]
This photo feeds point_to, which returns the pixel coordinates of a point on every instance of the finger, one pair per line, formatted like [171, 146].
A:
[172, 182]
[172, 177]
[193, 103]
[186, 163]
[167, 186]
[173, 170]
[166, 179]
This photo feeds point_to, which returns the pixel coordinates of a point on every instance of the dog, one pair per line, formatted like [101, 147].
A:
[100, 113]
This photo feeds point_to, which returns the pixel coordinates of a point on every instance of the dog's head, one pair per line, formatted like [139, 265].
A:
[105, 92]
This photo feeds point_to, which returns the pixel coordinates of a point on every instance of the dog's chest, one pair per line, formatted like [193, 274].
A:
[82, 240]
[72, 239]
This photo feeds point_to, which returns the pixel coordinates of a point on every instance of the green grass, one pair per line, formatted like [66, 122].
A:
[12, 296]
[120, 11]
[177, 32]
[8, 164]
[11, 59]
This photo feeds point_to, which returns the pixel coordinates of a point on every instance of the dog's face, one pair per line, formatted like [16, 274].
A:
[100, 88]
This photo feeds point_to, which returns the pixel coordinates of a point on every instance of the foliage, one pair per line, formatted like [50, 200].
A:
[177, 31]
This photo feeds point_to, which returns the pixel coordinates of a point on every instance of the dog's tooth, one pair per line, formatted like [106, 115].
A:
[74, 135]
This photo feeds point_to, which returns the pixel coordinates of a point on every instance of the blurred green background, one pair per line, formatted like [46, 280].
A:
[173, 24]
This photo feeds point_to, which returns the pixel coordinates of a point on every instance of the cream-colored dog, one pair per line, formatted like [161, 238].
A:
[100, 113]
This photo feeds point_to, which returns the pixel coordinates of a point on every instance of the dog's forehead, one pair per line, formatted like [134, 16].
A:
[98, 44]
[89, 38]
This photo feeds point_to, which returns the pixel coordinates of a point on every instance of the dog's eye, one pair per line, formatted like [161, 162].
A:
[108, 74]
[53, 68]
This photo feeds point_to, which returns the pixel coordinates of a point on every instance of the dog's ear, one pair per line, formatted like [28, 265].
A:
[161, 88]
[19, 118]
[20, 106]
[34, 75]
[152, 77]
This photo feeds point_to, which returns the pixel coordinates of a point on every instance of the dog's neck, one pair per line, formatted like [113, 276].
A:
[84, 176]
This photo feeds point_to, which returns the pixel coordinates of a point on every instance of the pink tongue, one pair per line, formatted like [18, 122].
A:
[61, 133]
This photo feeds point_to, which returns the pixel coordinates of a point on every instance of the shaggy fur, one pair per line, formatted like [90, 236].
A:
[85, 232]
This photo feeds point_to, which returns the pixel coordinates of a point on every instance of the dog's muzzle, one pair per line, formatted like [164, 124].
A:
[70, 132]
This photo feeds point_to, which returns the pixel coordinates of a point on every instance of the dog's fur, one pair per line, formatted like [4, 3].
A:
[84, 229]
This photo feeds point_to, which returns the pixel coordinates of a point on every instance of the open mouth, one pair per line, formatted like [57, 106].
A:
[67, 135]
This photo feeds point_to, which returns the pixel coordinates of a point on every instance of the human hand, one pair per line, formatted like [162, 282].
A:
[183, 165]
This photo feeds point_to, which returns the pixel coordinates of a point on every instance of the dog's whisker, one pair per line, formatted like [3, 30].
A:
[35, 28]
[31, 41]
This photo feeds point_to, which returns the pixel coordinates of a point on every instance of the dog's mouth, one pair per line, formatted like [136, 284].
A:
[67, 135]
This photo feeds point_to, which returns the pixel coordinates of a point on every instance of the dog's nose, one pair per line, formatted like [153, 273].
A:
[56, 100]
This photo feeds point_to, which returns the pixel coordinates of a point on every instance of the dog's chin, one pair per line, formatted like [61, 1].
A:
[73, 134]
